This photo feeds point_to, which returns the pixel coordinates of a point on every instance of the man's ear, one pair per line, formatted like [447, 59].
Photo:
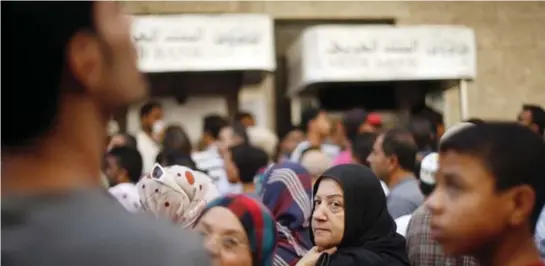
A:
[84, 59]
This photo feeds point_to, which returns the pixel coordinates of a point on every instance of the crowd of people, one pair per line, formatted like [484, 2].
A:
[353, 192]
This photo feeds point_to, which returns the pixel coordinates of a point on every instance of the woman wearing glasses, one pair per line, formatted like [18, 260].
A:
[238, 231]
[350, 223]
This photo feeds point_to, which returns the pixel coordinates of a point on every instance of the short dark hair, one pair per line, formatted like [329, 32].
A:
[243, 114]
[423, 133]
[352, 121]
[147, 108]
[475, 121]
[400, 143]
[175, 157]
[307, 116]
[129, 159]
[249, 160]
[538, 116]
[36, 69]
[362, 146]
[511, 153]
[130, 141]
[240, 130]
[176, 138]
[213, 124]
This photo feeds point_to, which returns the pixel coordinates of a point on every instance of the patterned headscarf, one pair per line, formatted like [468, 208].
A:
[258, 224]
[176, 193]
[286, 191]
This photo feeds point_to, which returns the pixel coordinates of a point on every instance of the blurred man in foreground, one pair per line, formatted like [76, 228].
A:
[77, 62]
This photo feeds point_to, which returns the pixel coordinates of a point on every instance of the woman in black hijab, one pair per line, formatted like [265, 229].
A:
[350, 222]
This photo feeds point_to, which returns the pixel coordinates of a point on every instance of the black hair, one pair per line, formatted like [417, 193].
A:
[512, 154]
[213, 124]
[423, 133]
[35, 36]
[249, 160]
[352, 122]
[147, 108]
[362, 146]
[400, 143]
[130, 141]
[538, 116]
[475, 121]
[129, 159]
[240, 130]
[176, 138]
[175, 157]
[243, 114]
[426, 189]
[307, 116]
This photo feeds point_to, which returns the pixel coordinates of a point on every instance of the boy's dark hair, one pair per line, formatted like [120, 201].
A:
[513, 155]
[129, 159]
[213, 124]
[36, 69]
[362, 146]
[249, 160]
[307, 116]
[538, 116]
[400, 143]
[243, 114]
[352, 120]
[147, 108]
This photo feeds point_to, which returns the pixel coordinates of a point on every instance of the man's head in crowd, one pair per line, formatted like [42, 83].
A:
[84, 67]
[315, 121]
[151, 116]
[489, 190]
[533, 117]
[216, 129]
[362, 146]
[123, 165]
[289, 141]
[249, 160]
[423, 134]
[245, 118]
[353, 122]
[393, 156]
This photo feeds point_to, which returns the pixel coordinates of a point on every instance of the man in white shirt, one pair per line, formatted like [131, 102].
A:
[151, 122]
[215, 159]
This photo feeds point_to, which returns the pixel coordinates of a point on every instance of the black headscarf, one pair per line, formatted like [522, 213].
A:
[370, 236]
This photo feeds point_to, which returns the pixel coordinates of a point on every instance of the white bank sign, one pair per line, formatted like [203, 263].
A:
[171, 43]
[380, 53]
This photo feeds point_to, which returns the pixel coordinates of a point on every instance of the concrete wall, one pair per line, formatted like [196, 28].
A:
[510, 39]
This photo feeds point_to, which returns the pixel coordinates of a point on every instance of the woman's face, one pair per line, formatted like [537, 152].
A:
[328, 215]
[225, 238]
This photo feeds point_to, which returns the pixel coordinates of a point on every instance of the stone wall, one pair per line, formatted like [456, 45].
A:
[510, 39]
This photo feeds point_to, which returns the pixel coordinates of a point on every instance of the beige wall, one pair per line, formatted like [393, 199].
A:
[510, 40]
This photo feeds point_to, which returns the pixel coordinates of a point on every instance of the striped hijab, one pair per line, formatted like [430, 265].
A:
[257, 222]
[286, 191]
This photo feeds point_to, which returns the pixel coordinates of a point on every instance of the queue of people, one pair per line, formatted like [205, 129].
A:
[411, 195]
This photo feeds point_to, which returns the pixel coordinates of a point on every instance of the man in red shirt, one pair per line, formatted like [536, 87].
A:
[489, 194]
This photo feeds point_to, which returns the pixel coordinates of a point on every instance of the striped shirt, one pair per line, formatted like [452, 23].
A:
[330, 150]
[210, 160]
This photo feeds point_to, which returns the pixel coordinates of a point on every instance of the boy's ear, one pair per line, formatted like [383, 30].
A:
[522, 201]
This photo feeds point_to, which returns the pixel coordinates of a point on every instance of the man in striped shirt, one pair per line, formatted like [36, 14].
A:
[215, 159]
[317, 127]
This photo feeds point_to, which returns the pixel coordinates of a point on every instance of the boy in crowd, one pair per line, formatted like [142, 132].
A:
[317, 127]
[489, 194]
